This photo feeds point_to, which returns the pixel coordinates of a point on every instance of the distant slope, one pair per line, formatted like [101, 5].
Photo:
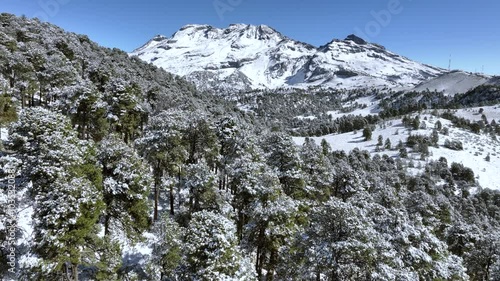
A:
[244, 57]
[454, 82]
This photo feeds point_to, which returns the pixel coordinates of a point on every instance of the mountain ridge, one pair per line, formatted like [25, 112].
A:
[245, 57]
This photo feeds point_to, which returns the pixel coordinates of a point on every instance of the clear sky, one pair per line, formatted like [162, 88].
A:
[427, 31]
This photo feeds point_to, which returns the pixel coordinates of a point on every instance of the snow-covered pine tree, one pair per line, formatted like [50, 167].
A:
[66, 190]
[166, 257]
[211, 251]
[162, 146]
[317, 170]
[8, 111]
[126, 186]
[283, 155]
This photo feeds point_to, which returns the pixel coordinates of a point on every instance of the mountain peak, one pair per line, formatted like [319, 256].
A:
[356, 39]
[244, 56]
[238, 26]
[194, 26]
[261, 32]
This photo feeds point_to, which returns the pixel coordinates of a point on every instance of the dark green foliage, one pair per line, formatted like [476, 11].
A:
[479, 96]
[380, 140]
[66, 187]
[282, 154]
[388, 144]
[419, 143]
[109, 259]
[367, 133]
[438, 126]
[434, 138]
[167, 250]
[8, 112]
[459, 172]
[126, 183]
[403, 152]
[454, 144]
[475, 127]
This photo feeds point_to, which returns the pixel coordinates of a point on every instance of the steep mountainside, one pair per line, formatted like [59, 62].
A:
[255, 57]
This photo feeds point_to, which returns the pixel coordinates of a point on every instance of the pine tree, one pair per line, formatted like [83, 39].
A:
[415, 124]
[167, 249]
[202, 186]
[387, 144]
[212, 252]
[380, 141]
[367, 133]
[162, 146]
[126, 186]
[335, 243]
[282, 154]
[438, 126]
[8, 112]
[66, 189]
[317, 170]
[271, 222]
[435, 138]
[201, 139]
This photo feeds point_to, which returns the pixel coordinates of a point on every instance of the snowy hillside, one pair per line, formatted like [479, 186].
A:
[475, 147]
[475, 113]
[454, 82]
[249, 57]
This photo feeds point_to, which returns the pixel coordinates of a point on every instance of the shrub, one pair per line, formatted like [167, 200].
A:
[453, 145]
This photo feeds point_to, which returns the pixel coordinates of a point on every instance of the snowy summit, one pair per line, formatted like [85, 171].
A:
[245, 57]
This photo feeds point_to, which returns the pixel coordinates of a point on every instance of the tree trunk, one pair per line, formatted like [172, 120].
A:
[261, 254]
[70, 271]
[270, 269]
[106, 225]
[172, 200]
[157, 198]
[75, 272]
[40, 94]
[157, 178]
[23, 100]
[239, 225]
[257, 264]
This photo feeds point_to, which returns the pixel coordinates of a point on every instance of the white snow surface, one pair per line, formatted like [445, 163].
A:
[4, 134]
[258, 57]
[476, 147]
[453, 83]
[491, 113]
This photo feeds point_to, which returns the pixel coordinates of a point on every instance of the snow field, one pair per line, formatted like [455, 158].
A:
[476, 147]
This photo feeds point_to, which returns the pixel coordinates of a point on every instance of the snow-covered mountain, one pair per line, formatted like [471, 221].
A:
[257, 57]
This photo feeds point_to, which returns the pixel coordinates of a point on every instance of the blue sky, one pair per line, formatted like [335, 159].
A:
[427, 31]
